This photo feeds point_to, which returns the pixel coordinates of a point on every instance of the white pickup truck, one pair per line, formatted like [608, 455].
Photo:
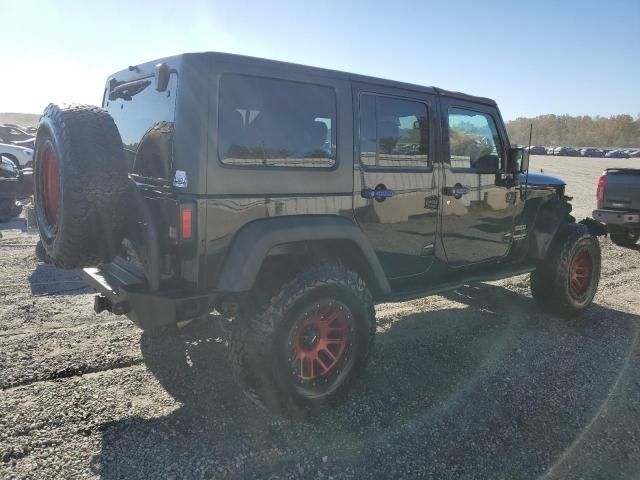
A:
[618, 197]
[21, 157]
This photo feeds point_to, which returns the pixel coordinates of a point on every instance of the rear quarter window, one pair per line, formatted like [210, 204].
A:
[145, 119]
[266, 122]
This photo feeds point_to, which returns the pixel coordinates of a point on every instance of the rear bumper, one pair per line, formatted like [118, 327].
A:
[618, 218]
[130, 295]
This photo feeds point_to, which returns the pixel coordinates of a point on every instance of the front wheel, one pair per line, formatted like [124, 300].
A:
[567, 280]
[301, 350]
[625, 239]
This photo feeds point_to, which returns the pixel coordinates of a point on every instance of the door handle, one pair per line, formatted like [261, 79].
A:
[379, 194]
[456, 191]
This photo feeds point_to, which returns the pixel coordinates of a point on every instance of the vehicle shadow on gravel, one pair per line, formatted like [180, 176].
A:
[487, 388]
[50, 280]
[14, 224]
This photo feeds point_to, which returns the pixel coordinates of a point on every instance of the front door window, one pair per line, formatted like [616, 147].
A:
[474, 142]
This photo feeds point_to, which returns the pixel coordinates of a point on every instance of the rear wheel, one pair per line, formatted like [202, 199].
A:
[566, 282]
[303, 347]
[625, 239]
[13, 159]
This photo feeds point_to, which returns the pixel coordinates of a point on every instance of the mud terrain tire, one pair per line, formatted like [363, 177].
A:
[80, 185]
[566, 282]
[262, 350]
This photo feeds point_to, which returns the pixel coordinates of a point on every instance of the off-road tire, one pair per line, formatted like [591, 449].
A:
[84, 222]
[625, 239]
[13, 159]
[550, 282]
[6, 210]
[258, 340]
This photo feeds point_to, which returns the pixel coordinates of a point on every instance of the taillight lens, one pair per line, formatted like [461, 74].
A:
[186, 222]
[600, 190]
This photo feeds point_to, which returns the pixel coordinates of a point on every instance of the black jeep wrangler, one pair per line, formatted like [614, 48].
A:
[292, 199]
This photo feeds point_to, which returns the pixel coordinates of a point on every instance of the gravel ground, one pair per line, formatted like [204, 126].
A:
[477, 383]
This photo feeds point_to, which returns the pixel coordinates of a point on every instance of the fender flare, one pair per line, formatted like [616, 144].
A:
[253, 242]
[549, 219]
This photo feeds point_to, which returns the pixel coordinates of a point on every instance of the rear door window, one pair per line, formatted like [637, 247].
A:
[394, 132]
[265, 122]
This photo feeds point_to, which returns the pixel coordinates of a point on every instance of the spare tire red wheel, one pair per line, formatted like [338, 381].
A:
[80, 185]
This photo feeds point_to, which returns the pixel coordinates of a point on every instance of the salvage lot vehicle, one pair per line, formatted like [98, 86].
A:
[22, 157]
[591, 152]
[618, 197]
[15, 185]
[538, 150]
[247, 202]
[617, 154]
[10, 133]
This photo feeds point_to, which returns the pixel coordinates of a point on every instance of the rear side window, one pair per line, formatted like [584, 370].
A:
[145, 119]
[393, 132]
[474, 141]
[276, 123]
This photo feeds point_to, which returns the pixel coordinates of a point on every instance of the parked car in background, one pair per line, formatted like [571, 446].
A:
[566, 151]
[538, 150]
[618, 197]
[20, 156]
[550, 150]
[15, 185]
[591, 152]
[27, 143]
[635, 154]
[11, 133]
[617, 154]
[572, 152]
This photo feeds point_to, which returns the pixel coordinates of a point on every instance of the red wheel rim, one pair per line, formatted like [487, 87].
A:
[580, 272]
[320, 341]
[50, 186]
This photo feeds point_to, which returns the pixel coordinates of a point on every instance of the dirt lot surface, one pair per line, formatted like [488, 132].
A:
[477, 383]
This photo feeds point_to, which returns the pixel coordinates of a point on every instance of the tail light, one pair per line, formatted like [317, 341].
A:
[186, 222]
[600, 189]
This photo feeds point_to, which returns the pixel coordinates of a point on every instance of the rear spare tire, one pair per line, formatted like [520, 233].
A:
[80, 185]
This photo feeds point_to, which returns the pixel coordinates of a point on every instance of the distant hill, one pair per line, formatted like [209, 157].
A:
[23, 119]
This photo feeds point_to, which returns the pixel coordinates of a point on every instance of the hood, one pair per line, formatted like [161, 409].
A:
[541, 179]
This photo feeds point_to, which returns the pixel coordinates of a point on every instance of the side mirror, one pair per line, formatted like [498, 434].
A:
[518, 160]
[162, 74]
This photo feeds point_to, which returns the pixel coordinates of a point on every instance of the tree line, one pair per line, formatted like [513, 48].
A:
[581, 131]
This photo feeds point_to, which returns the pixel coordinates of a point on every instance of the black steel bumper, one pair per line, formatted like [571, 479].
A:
[124, 293]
